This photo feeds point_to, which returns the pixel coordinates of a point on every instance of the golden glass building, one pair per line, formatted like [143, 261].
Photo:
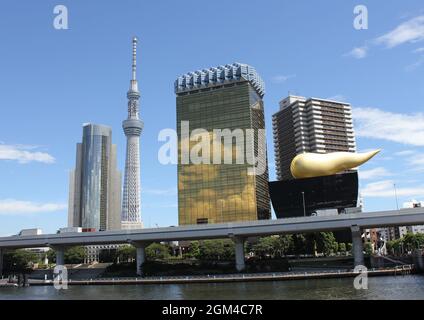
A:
[225, 97]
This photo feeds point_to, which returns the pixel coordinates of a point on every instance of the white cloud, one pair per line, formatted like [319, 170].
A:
[417, 162]
[23, 154]
[18, 207]
[282, 78]
[386, 189]
[373, 173]
[396, 127]
[358, 52]
[416, 64]
[410, 31]
[405, 153]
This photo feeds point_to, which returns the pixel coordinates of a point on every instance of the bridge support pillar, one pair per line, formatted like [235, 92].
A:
[357, 247]
[140, 256]
[1, 262]
[239, 247]
[60, 256]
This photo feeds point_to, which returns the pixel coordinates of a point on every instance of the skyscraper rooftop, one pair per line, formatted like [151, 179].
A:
[220, 75]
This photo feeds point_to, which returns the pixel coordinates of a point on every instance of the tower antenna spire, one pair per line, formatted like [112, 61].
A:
[134, 58]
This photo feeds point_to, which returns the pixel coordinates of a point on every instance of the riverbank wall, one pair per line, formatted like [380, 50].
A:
[230, 278]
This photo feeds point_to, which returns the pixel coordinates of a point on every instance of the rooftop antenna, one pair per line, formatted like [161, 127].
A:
[134, 58]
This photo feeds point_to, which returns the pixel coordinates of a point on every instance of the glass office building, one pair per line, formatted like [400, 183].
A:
[95, 184]
[225, 97]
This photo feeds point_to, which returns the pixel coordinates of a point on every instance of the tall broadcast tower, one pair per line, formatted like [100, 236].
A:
[131, 215]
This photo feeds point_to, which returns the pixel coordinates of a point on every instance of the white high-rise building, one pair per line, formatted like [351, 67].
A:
[131, 213]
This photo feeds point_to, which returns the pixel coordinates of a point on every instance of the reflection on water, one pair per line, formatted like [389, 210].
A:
[399, 287]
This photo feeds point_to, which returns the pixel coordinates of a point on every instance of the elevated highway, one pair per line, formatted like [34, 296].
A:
[238, 231]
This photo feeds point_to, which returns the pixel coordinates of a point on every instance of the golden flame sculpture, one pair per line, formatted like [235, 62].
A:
[309, 165]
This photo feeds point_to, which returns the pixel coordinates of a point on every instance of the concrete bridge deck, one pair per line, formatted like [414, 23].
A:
[238, 231]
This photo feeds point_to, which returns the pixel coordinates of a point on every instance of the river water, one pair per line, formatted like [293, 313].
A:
[390, 287]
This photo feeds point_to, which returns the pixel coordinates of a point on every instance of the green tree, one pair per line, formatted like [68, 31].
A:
[409, 242]
[413, 241]
[75, 255]
[194, 250]
[368, 248]
[326, 243]
[19, 261]
[108, 255]
[274, 246]
[126, 253]
[216, 250]
[299, 244]
[266, 247]
[286, 244]
[51, 256]
[157, 251]
[395, 246]
[335, 247]
[389, 247]
[342, 247]
[311, 246]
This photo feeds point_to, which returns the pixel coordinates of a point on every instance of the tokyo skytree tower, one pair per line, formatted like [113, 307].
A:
[131, 215]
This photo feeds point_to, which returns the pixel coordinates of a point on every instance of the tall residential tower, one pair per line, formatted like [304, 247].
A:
[95, 184]
[226, 97]
[131, 215]
[310, 125]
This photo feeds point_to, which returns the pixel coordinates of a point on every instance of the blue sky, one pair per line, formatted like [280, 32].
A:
[52, 81]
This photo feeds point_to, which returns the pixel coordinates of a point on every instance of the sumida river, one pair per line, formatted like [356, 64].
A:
[390, 287]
